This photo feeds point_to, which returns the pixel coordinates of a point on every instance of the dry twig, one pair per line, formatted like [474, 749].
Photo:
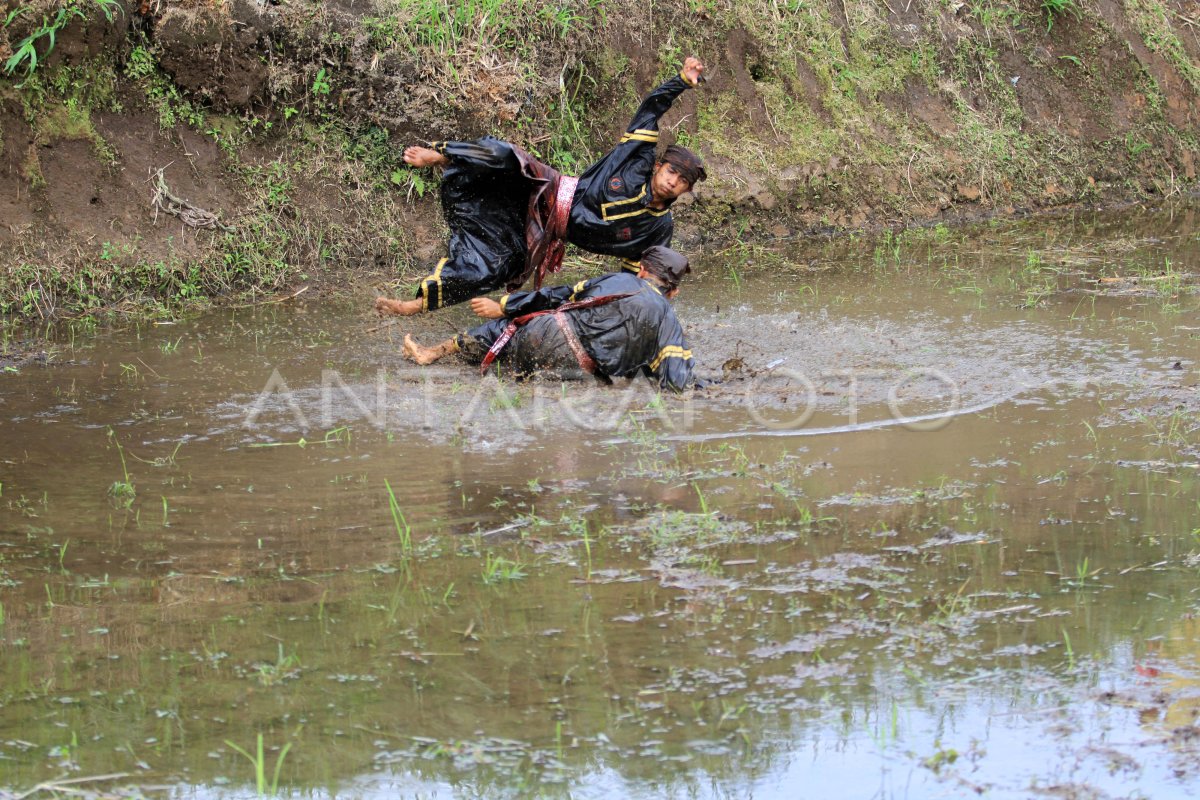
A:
[189, 214]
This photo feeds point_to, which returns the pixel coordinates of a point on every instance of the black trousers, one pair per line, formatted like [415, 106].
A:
[537, 348]
[485, 200]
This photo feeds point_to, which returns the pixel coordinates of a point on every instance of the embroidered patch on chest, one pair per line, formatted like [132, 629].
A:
[625, 234]
[615, 184]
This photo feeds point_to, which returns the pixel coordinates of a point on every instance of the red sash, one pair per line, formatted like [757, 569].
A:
[556, 230]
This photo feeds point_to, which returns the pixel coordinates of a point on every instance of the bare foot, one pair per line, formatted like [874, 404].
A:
[415, 352]
[418, 156]
[428, 355]
[402, 308]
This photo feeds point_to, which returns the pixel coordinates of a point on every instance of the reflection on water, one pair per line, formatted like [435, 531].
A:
[595, 592]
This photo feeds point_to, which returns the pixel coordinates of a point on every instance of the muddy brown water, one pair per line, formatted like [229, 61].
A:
[936, 534]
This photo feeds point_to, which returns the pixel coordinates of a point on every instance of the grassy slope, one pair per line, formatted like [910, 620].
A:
[836, 113]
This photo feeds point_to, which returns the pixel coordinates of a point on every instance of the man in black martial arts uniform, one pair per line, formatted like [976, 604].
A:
[509, 214]
[618, 325]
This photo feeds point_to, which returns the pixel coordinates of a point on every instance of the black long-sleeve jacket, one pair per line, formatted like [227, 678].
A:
[610, 211]
[639, 334]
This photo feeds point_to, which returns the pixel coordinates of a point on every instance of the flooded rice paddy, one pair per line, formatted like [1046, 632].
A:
[935, 533]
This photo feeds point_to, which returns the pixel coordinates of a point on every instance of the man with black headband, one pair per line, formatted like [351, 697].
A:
[615, 326]
[509, 215]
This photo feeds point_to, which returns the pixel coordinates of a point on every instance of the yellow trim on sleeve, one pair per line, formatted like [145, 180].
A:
[577, 289]
[684, 78]
[670, 351]
[503, 302]
[640, 137]
[629, 265]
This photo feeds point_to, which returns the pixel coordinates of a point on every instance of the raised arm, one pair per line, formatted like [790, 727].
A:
[644, 126]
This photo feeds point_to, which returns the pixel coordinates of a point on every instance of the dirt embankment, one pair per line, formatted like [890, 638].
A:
[277, 125]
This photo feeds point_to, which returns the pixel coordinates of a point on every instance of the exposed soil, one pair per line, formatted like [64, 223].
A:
[1012, 117]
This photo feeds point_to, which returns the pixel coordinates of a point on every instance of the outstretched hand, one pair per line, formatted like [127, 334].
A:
[487, 308]
[692, 69]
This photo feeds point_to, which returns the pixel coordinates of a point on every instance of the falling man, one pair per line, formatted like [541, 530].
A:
[509, 215]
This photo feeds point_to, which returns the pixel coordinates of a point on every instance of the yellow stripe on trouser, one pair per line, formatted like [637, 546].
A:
[670, 351]
[433, 280]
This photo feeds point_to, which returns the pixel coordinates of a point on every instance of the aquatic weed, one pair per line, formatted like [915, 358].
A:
[503, 400]
[1069, 650]
[579, 528]
[123, 491]
[498, 569]
[941, 757]
[161, 461]
[260, 766]
[284, 667]
[804, 515]
[1083, 576]
[949, 610]
[883, 736]
[403, 531]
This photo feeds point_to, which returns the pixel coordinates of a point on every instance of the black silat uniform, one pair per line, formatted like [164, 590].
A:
[485, 199]
[610, 211]
[635, 335]
[485, 195]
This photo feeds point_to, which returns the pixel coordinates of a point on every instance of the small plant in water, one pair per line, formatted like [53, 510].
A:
[505, 399]
[122, 492]
[1083, 574]
[285, 667]
[498, 569]
[260, 766]
[582, 525]
[805, 516]
[403, 531]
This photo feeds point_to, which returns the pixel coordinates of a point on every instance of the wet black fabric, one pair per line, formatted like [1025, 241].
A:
[537, 348]
[485, 197]
[485, 200]
[635, 335]
[610, 212]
